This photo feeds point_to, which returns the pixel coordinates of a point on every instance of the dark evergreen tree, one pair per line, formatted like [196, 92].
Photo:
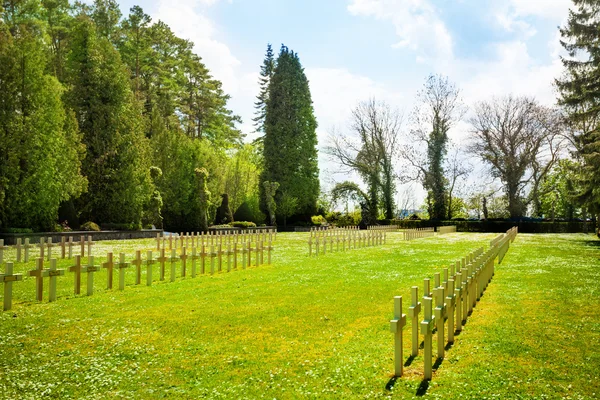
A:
[290, 142]
[116, 161]
[224, 214]
[579, 95]
[266, 73]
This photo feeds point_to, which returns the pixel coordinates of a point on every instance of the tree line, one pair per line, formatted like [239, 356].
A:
[545, 159]
[114, 119]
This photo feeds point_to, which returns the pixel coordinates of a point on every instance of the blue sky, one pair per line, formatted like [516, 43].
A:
[356, 49]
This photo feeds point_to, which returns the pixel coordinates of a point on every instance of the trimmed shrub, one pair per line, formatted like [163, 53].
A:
[224, 215]
[318, 220]
[90, 227]
[243, 213]
[243, 224]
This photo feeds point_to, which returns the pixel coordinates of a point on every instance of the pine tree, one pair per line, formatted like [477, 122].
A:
[579, 94]
[290, 152]
[116, 160]
[266, 73]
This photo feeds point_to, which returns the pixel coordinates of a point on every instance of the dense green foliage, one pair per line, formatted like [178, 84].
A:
[290, 153]
[91, 101]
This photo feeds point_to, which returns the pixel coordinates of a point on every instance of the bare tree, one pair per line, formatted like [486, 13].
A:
[439, 109]
[370, 151]
[517, 138]
[457, 168]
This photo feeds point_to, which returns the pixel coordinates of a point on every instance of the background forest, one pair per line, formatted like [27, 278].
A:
[114, 120]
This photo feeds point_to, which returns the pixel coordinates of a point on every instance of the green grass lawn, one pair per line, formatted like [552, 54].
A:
[311, 328]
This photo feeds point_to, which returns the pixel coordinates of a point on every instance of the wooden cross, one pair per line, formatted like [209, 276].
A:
[235, 253]
[213, 254]
[458, 308]
[158, 242]
[19, 248]
[426, 291]
[41, 247]
[249, 253]
[90, 269]
[109, 265]
[436, 280]
[257, 256]
[82, 244]
[396, 327]
[440, 316]
[262, 252]
[89, 245]
[220, 256]
[450, 303]
[203, 255]
[413, 312]
[63, 249]
[49, 245]
[194, 257]
[310, 246]
[427, 332]
[149, 262]
[70, 244]
[269, 250]
[317, 247]
[162, 259]
[77, 270]
[2, 248]
[8, 278]
[53, 273]
[228, 257]
[184, 258]
[38, 272]
[173, 260]
[26, 248]
[138, 265]
[171, 242]
[122, 265]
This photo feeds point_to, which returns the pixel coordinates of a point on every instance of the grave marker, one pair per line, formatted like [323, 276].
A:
[70, 244]
[26, 248]
[109, 265]
[77, 270]
[8, 277]
[162, 259]
[90, 244]
[41, 247]
[138, 266]
[396, 327]
[427, 332]
[53, 273]
[82, 244]
[440, 316]
[450, 301]
[38, 272]
[19, 248]
[122, 265]
[49, 246]
[194, 257]
[413, 312]
[183, 258]
[173, 260]
[90, 269]
[149, 262]
[458, 294]
[63, 249]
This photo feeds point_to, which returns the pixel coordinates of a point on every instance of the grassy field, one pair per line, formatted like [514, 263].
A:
[311, 328]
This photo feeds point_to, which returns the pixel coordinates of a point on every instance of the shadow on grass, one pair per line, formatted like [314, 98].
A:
[449, 346]
[437, 364]
[409, 361]
[391, 383]
[422, 389]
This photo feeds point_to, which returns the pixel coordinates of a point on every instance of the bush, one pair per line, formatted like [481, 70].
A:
[243, 224]
[224, 215]
[16, 230]
[90, 227]
[318, 220]
[243, 213]
[120, 227]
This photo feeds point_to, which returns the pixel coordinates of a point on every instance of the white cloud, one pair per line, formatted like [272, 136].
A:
[417, 24]
[550, 9]
[188, 20]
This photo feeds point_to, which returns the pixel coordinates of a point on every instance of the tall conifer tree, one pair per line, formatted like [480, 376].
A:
[290, 142]
[579, 93]
[266, 73]
[116, 160]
